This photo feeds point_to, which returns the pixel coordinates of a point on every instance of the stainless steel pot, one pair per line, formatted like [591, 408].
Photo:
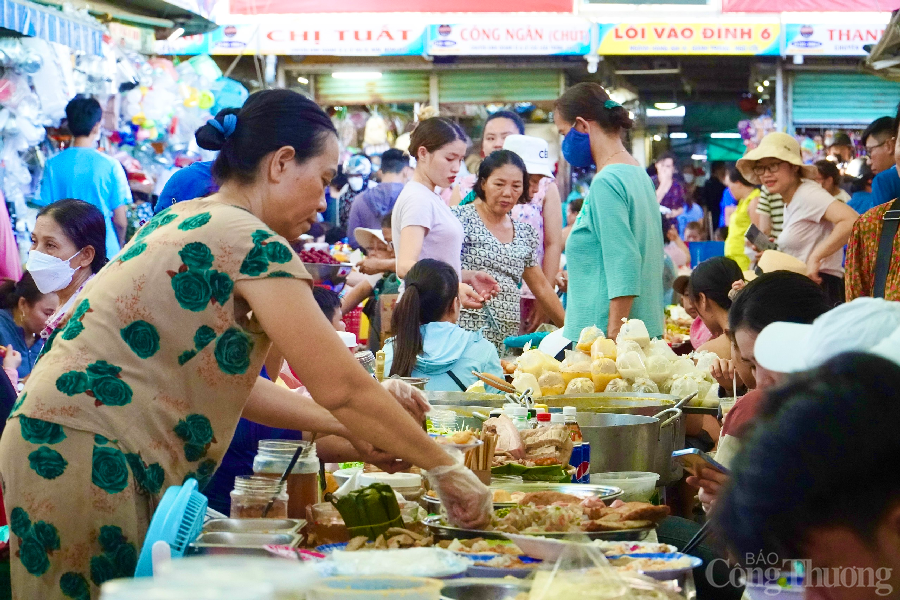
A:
[632, 442]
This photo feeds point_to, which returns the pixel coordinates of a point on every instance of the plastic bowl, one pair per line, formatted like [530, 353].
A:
[380, 588]
[637, 486]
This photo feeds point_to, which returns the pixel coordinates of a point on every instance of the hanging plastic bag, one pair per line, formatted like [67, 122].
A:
[587, 337]
[661, 348]
[617, 386]
[603, 348]
[603, 371]
[630, 365]
[551, 383]
[642, 385]
[580, 385]
[658, 368]
[634, 329]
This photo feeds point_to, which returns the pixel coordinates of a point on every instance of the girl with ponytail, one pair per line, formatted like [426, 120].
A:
[428, 342]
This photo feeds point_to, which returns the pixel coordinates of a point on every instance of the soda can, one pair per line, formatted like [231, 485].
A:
[575, 461]
[583, 474]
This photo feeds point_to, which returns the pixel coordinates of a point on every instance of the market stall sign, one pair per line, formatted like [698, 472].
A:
[552, 37]
[306, 37]
[766, 6]
[138, 39]
[261, 7]
[831, 40]
[690, 38]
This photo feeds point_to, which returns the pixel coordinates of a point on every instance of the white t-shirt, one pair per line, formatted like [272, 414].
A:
[805, 226]
[419, 206]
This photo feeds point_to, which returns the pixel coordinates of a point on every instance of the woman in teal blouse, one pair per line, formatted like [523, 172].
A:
[614, 252]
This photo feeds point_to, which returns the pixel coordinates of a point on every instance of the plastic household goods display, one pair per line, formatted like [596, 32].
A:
[370, 511]
[251, 495]
[272, 459]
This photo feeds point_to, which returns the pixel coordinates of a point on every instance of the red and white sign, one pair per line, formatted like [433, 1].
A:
[550, 35]
[260, 7]
[767, 6]
[831, 40]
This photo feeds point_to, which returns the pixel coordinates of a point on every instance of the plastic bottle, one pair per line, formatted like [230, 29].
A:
[519, 416]
[580, 459]
[557, 419]
[544, 420]
[532, 418]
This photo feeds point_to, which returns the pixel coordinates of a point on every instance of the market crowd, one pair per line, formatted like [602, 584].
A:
[139, 357]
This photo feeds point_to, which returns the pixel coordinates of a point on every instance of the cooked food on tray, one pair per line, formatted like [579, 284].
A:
[393, 538]
[553, 512]
[643, 564]
[529, 447]
[620, 548]
[480, 546]
[459, 438]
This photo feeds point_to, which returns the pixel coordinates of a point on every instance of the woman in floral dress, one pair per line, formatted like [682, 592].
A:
[143, 386]
[503, 248]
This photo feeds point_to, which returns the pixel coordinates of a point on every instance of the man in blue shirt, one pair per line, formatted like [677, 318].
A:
[84, 173]
[880, 140]
[193, 181]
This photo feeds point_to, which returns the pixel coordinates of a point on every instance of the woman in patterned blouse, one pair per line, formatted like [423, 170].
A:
[143, 386]
[503, 248]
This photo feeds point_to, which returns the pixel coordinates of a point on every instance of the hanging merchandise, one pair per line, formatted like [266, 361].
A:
[375, 138]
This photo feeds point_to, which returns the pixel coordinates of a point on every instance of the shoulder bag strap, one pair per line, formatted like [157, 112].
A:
[886, 248]
[456, 380]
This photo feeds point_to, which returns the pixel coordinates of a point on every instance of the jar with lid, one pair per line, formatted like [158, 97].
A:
[519, 416]
[251, 495]
[272, 459]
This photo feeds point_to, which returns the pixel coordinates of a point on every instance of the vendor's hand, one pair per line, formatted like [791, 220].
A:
[368, 266]
[483, 284]
[535, 319]
[468, 502]
[12, 360]
[812, 269]
[562, 280]
[469, 298]
[722, 371]
[373, 456]
[410, 398]
[711, 483]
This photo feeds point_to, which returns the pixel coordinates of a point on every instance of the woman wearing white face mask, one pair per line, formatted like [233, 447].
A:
[68, 247]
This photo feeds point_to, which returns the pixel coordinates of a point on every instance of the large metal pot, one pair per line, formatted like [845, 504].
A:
[621, 403]
[633, 442]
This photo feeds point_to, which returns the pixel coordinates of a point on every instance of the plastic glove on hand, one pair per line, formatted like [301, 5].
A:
[468, 502]
[410, 398]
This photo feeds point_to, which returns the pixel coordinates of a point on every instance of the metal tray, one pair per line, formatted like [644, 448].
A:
[443, 531]
[221, 542]
[288, 526]
[606, 493]
[483, 589]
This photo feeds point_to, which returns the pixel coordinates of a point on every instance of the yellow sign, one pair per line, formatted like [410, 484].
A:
[690, 38]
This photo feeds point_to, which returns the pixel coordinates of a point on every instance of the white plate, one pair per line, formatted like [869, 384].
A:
[550, 549]
[666, 574]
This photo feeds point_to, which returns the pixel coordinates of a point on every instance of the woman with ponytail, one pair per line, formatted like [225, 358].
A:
[428, 342]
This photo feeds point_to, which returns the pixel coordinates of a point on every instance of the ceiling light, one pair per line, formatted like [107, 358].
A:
[631, 115]
[176, 34]
[657, 138]
[698, 157]
[766, 83]
[678, 135]
[302, 80]
[675, 112]
[365, 75]
[725, 136]
[666, 105]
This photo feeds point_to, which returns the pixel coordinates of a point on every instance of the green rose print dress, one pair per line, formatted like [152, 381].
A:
[141, 389]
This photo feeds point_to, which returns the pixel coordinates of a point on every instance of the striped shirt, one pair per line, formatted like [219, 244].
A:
[773, 206]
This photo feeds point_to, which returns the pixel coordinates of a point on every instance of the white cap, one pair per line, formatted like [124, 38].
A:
[569, 410]
[540, 410]
[534, 151]
[517, 411]
[348, 338]
[366, 237]
[863, 325]
[557, 418]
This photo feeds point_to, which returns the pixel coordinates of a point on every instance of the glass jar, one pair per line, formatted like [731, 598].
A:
[303, 489]
[366, 358]
[251, 495]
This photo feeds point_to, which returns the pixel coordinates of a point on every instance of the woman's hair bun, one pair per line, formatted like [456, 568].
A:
[210, 137]
[619, 118]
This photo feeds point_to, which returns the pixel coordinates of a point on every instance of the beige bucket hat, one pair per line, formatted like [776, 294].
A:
[773, 260]
[775, 145]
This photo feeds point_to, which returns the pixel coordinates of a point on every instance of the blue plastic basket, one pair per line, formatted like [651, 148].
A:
[178, 520]
[700, 251]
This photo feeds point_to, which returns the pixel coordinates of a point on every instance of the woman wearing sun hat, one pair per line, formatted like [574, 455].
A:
[816, 226]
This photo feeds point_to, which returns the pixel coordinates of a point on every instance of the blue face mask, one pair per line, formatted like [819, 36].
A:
[576, 148]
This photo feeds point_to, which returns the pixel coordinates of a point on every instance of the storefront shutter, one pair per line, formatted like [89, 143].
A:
[393, 86]
[842, 99]
[498, 86]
